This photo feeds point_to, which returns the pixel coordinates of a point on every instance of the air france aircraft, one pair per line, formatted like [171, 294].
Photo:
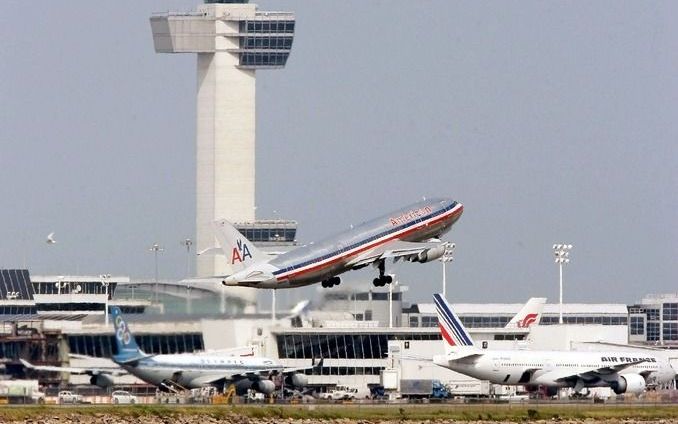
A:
[624, 372]
[410, 233]
[187, 370]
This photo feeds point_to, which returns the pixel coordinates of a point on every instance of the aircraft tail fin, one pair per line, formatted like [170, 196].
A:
[455, 336]
[127, 348]
[239, 252]
[530, 314]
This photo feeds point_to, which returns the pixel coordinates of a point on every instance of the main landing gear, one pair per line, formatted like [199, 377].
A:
[331, 282]
[383, 279]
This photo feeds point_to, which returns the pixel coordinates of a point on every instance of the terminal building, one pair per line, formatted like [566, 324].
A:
[358, 333]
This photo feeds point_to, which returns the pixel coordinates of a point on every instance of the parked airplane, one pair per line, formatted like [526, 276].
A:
[529, 314]
[624, 372]
[187, 370]
[409, 233]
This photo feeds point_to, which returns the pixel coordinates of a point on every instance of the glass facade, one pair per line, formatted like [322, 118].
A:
[670, 330]
[83, 287]
[103, 345]
[269, 234]
[266, 42]
[17, 310]
[341, 346]
[484, 321]
[637, 326]
[670, 311]
[595, 319]
[15, 284]
[652, 331]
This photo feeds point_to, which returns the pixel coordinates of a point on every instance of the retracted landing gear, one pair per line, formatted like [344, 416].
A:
[383, 279]
[331, 282]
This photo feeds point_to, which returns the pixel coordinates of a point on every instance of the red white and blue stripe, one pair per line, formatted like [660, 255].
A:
[452, 330]
[344, 253]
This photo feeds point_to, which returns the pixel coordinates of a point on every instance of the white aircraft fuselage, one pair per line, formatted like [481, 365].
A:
[193, 371]
[547, 367]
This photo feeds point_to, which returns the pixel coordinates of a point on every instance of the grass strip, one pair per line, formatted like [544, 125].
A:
[489, 412]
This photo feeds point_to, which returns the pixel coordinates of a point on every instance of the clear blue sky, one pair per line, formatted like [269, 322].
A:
[550, 121]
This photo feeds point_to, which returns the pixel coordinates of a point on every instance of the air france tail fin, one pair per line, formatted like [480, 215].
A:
[127, 347]
[530, 314]
[240, 253]
[455, 337]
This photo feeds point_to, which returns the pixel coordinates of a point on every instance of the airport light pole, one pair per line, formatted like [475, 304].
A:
[188, 243]
[105, 282]
[156, 248]
[448, 256]
[272, 306]
[562, 257]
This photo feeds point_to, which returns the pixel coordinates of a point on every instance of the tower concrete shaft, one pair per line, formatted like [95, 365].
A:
[231, 40]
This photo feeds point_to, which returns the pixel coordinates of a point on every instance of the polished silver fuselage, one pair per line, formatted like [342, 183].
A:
[315, 262]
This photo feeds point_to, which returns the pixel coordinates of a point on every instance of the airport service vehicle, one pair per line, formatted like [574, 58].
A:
[340, 393]
[66, 396]
[123, 396]
[21, 391]
[410, 234]
[423, 389]
[623, 372]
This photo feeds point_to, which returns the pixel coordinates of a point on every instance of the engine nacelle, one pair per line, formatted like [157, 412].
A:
[296, 380]
[242, 386]
[431, 254]
[101, 380]
[264, 386]
[628, 383]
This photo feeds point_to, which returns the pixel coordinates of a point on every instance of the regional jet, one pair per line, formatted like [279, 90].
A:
[623, 371]
[410, 233]
[187, 370]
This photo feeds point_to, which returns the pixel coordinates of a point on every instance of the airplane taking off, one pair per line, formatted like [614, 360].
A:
[187, 370]
[623, 371]
[410, 233]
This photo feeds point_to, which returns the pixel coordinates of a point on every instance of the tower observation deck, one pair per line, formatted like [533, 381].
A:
[232, 40]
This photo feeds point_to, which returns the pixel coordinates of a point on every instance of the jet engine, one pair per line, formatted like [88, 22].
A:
[431, 254]
[264, 386]
[101, 380]
[296, 380]
[242, 386]
[628, 383]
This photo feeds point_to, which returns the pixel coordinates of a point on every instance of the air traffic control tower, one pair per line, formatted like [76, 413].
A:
[232, 39]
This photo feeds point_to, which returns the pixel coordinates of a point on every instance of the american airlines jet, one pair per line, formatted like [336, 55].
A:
[410, 233]
[623, 371]
[187, 370]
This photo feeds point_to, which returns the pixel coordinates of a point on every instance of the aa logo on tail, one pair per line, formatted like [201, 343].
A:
[527, 321]
[240, 252]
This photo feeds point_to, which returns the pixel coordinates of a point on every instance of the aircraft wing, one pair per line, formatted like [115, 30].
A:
[253, 375]
[396, 249]
[588, 373]
[299, 369]
[73, 370]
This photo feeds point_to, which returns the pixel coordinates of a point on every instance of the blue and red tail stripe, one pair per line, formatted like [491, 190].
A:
[450, 327]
